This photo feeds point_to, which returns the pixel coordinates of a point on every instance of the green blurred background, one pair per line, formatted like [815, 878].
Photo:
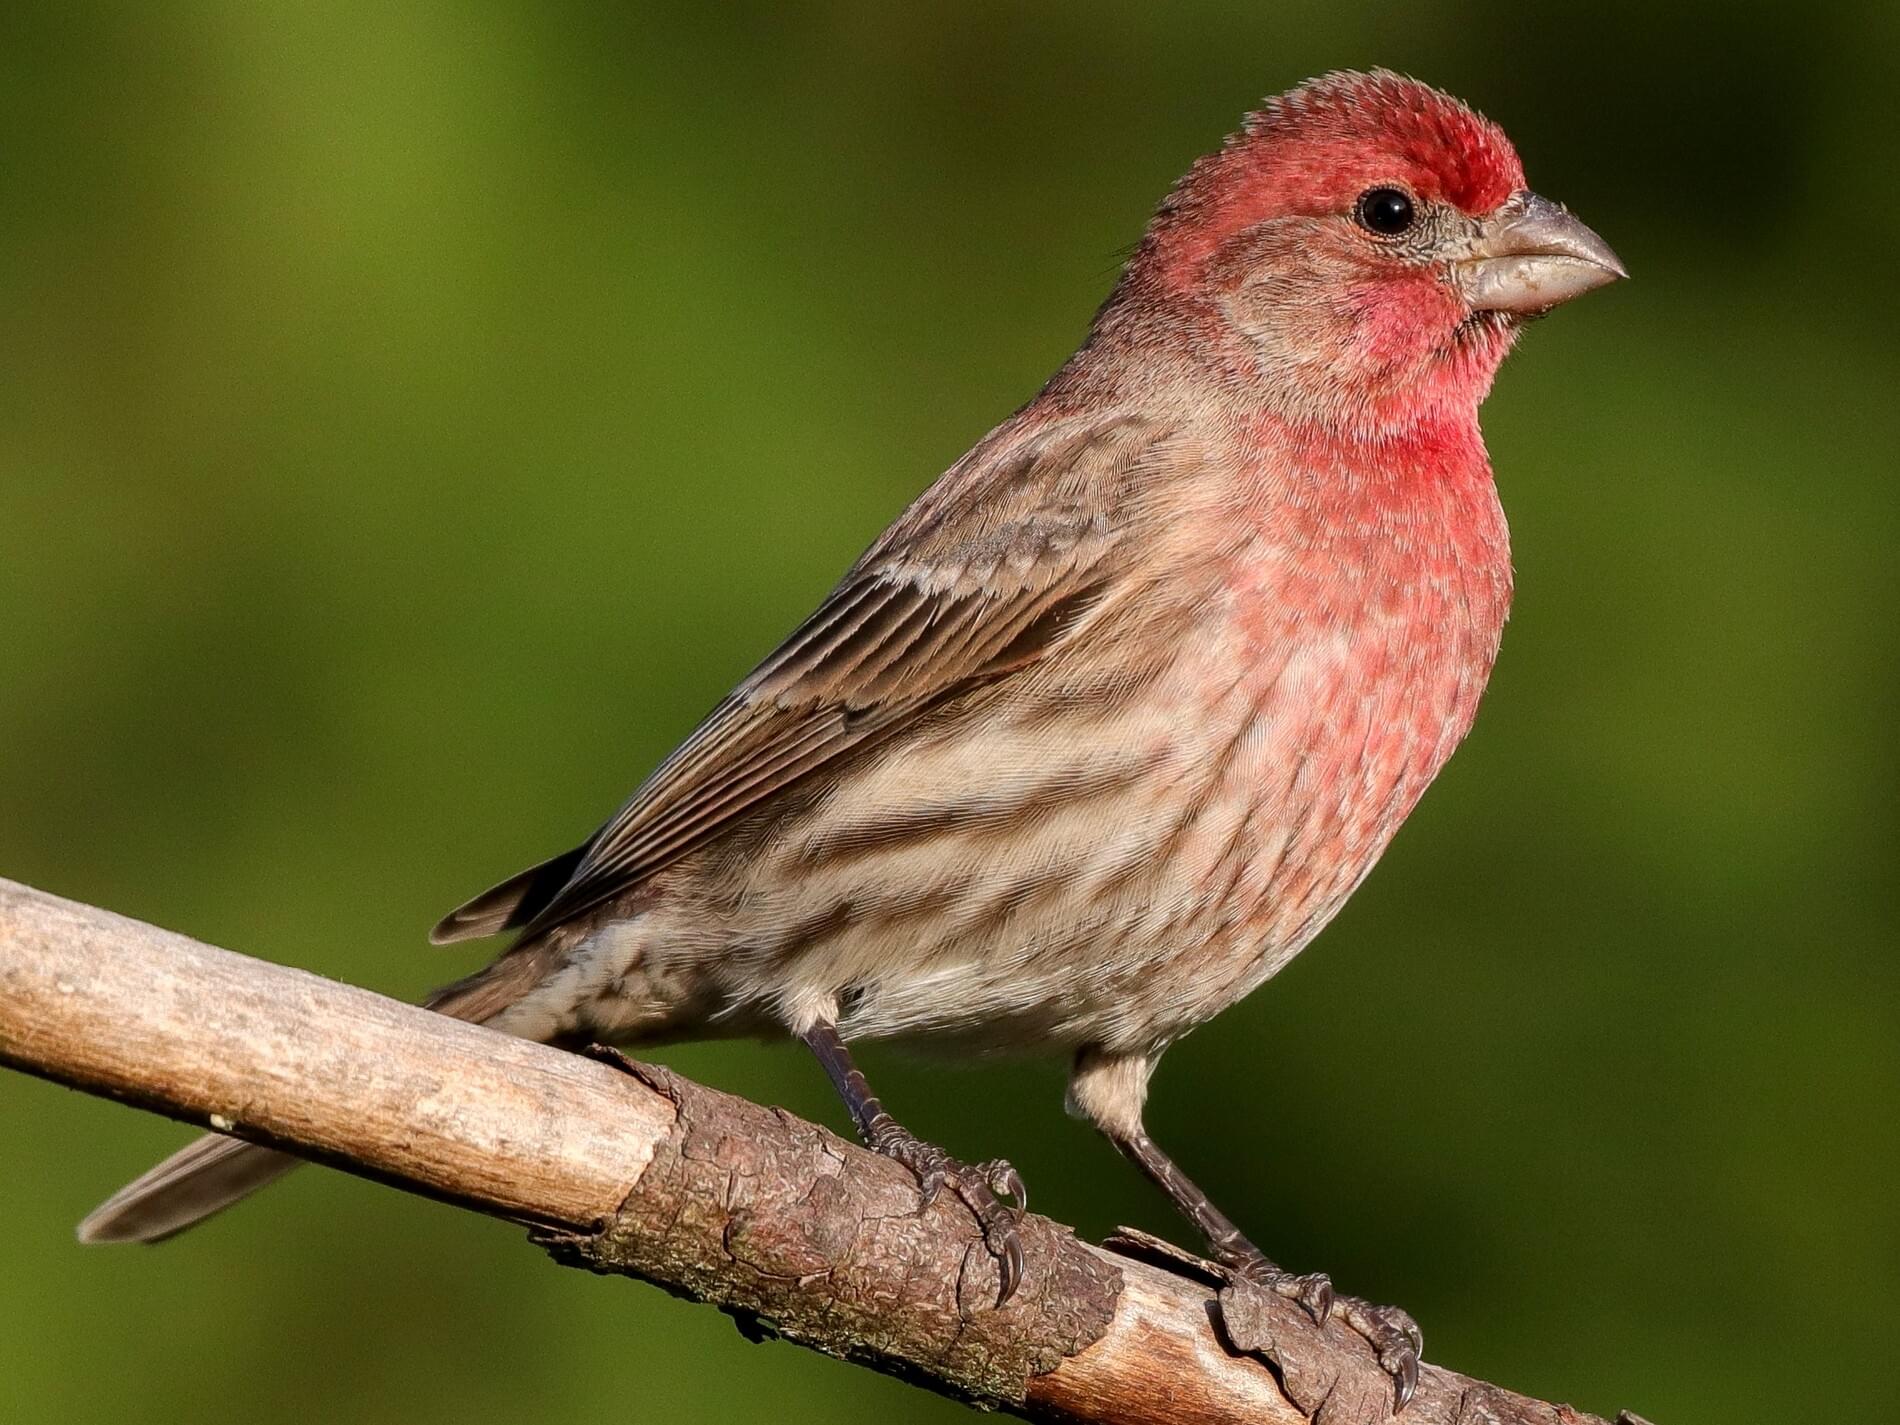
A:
[415, 415]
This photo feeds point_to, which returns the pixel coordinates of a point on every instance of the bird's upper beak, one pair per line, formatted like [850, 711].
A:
[1531, 255]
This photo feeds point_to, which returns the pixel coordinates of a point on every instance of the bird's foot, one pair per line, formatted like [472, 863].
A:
[1393, 1335]
[993, 1191]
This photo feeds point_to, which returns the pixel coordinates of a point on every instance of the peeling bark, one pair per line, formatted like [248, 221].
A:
[800, 1236]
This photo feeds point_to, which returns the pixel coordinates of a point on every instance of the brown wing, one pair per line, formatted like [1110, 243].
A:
[982, 575]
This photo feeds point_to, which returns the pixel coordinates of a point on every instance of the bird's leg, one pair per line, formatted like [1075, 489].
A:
[992, 1191]
[1393, 1334]
[1226, 1243]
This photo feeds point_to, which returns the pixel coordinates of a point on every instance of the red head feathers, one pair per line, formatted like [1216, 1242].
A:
[1314, 148]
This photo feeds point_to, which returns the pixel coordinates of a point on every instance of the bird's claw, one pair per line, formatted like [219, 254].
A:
[993, 1191]
[1313, 1291]
[1393, 1335]
[1316, 1295]
[1007, 1184]
[930, 1180]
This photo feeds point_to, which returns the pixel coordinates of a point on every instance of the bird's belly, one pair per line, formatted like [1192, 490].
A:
[1055, 885]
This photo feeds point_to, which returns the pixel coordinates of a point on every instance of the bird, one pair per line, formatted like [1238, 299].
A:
[1111, 720]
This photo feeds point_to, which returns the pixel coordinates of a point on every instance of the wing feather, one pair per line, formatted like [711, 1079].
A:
[990, 568]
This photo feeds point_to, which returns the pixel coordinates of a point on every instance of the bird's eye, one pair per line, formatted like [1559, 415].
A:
[1386, 211]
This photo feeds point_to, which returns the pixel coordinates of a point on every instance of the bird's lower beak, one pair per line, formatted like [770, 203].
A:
[1532, 255]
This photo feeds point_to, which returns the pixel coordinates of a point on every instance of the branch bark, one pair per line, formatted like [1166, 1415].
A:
[783, 1225]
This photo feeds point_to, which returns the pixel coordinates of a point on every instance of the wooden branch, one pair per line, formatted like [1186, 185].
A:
[780, 1223]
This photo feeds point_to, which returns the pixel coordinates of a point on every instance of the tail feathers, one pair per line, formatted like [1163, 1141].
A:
[510, 905]
[210, 1174]
[204, 1178]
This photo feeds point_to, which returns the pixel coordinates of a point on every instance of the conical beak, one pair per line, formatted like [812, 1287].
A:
[1532, 255]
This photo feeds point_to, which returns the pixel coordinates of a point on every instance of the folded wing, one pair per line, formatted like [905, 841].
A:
[924, 615]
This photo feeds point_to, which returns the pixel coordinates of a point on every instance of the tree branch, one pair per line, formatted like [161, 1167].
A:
[778, 1222]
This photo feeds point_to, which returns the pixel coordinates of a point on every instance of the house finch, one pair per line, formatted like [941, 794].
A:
[1104, 729]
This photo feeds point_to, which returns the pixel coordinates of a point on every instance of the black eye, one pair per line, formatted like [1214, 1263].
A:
[1386, 211]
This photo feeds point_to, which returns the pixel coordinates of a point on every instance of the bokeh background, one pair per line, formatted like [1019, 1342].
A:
[414, 415]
